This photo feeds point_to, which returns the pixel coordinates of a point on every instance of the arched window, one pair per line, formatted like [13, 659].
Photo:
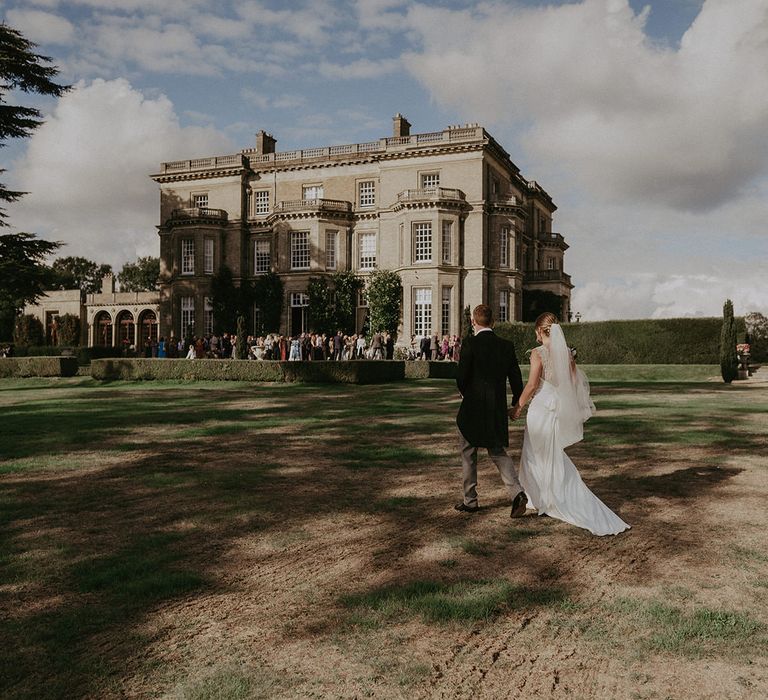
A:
[126, 329]
[148, 326]
[102, 325]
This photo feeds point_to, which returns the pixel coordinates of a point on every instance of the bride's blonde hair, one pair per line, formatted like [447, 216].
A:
[544, 322]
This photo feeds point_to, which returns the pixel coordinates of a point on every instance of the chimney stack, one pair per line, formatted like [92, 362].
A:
[400, 126]
[265, 143]
[108, 284]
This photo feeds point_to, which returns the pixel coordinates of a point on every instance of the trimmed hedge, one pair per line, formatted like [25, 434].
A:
[357, 372]
[418, 369]
[166, 368]
[83, 354]
[38, 366]
[679, 341]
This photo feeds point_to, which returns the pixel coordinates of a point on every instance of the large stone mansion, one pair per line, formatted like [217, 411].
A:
[448, 210]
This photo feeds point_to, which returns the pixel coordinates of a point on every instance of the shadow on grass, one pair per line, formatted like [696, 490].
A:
[687, 483]
[86, 557]
[56, 645]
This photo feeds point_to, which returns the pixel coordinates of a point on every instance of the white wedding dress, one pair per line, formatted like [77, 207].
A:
[555, 418]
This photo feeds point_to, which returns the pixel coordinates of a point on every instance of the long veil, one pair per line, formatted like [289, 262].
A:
[574, 406]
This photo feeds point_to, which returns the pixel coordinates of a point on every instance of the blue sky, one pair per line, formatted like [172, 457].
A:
[644, 120]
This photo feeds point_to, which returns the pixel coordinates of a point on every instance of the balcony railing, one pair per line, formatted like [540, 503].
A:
[199, 213]
[312, 205]
[431, 194]
[546, 237]
[214, 162]
[508, 201]
[546, 276]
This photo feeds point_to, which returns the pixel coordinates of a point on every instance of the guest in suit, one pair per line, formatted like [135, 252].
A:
[376, 347]
[338, 345]
[424, 351]
[487, 363]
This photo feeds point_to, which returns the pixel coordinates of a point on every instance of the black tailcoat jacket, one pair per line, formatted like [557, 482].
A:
[485, 364]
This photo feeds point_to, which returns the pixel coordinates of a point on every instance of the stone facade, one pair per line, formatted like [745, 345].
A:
[54, 304]
[107, 318]
[448, 210]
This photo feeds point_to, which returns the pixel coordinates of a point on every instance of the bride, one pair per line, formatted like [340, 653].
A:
[560, 404]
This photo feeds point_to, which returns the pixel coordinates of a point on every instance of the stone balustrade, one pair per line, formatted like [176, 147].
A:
[430, 194]
[249, 155]
[546, 276]
[553, 238]
[230, 161]
[511, 201]
[199, 213]
[313, 204]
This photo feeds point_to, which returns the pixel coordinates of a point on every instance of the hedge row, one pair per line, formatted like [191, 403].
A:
[38, 366]
[643, 342]
[430, 370]
[83, 354]
[355, 372]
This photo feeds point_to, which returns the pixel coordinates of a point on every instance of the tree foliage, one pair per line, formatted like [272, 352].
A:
[24, 276]
[346, 287]
[267, 295]
[729, 361]
[757, 332]
[28, 330]
[74, 272]
[69, 329]
[385, 295]
[140, 276]
[21, 69]
[333, 302]
[321, 313]
[228, 301]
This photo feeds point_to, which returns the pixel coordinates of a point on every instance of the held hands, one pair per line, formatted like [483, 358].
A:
[514, 411]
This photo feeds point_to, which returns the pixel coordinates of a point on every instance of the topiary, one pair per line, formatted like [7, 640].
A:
[729, 361]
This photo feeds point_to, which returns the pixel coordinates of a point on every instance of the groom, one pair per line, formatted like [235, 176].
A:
[486, 363]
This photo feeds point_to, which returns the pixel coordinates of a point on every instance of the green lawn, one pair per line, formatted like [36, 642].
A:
[124, 506]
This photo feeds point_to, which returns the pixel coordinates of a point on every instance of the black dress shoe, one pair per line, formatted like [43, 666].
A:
[519, 505]
[464, 508]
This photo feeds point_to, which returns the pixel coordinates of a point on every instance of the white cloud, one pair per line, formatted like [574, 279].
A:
[670, 296]
[381, 15]
[173, 8]
[41, 27]
[363, 68]
[314, 22]
[656, 156]
[628, 118]
[87, 170]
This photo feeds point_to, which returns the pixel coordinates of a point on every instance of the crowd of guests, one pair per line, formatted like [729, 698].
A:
[306, 346]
